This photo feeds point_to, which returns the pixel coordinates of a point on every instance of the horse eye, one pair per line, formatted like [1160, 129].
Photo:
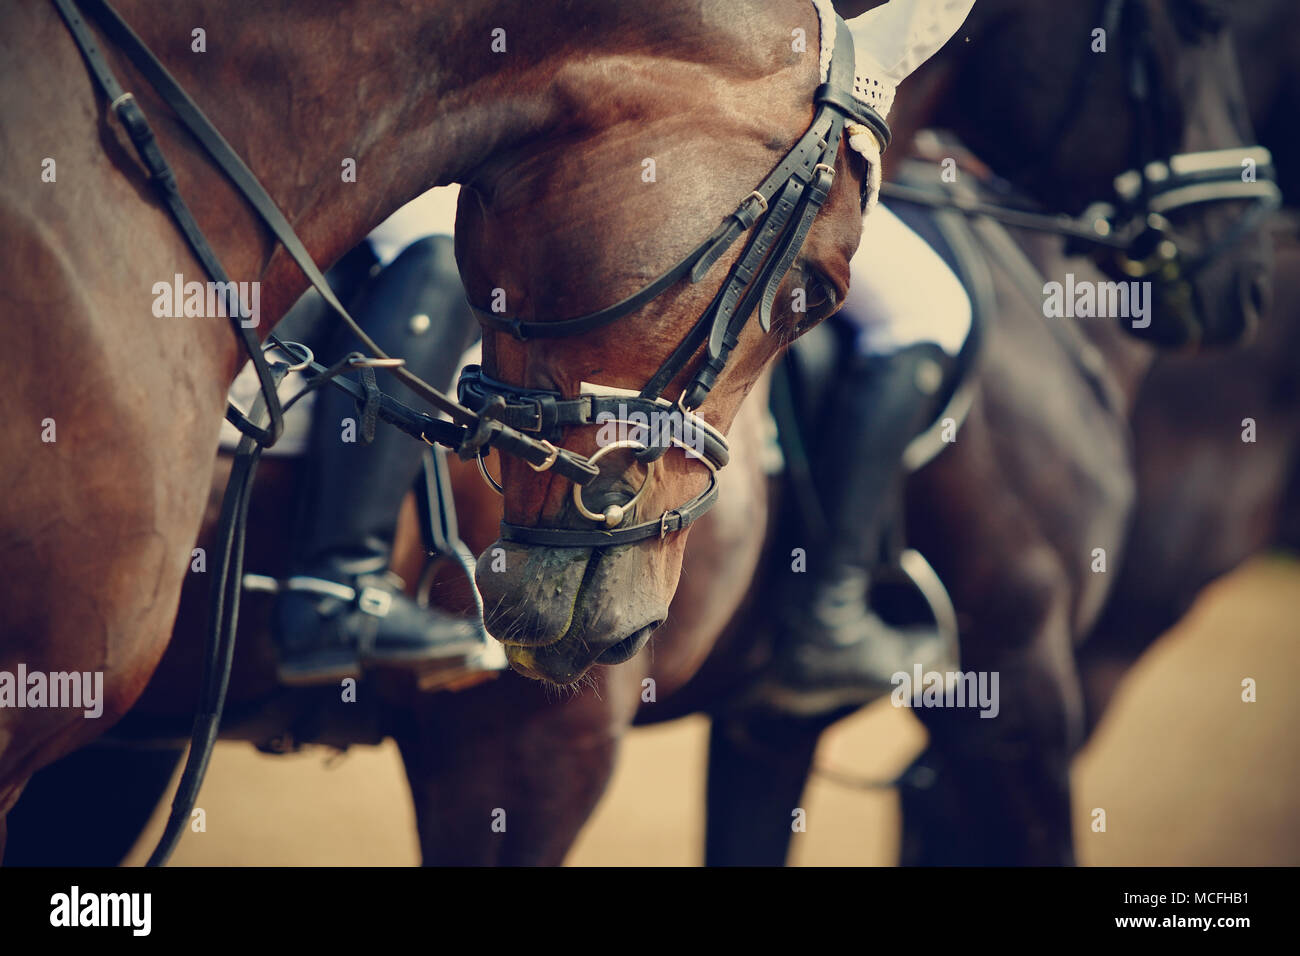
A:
[821, 295]
[820, 300]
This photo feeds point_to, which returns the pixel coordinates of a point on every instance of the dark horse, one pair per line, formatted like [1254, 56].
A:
[1075, 451]
[547, 126]
[1202, 501]
[1190, 417]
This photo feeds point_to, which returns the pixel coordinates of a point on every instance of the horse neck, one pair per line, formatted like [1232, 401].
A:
[411, 103]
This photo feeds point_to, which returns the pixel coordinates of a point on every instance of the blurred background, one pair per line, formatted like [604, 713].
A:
[1187, 773]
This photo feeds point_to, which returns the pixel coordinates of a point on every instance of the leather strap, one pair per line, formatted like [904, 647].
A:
[438, 431]
[524, 331]
[223, 620]
[546, 414]
[666, 524]
[243, 179]
[132, 118]
[848, 104]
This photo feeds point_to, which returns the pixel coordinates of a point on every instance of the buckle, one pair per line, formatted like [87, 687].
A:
[537, 410]
[550, 458]
[374, 601]
[663, 523]
[357, 360]
[544, 407]
[118, 103]
[290, 349]
[746, 214]
[819, 186]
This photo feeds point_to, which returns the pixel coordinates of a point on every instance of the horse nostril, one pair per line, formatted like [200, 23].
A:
[630, 646]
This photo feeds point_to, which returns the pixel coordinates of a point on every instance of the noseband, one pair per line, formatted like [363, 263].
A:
[783, 208]
[546, 414]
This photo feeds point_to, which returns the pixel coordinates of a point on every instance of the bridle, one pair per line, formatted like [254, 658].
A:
[1130, 234]
[783, 208]
[785, 203]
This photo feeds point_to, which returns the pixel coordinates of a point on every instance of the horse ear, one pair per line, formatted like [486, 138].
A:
[891, 41]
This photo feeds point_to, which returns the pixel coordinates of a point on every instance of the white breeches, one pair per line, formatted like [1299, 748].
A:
[902, 292]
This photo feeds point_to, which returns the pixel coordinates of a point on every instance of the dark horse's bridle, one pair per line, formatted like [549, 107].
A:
[783, 207]
[1130, 234]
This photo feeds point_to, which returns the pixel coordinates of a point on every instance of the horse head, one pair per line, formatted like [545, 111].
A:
[674, 121]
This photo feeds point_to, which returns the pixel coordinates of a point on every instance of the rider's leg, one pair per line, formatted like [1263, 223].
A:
[341, 609]
[909, 315]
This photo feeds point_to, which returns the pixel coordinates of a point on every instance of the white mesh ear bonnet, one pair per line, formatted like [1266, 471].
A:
[889, 42]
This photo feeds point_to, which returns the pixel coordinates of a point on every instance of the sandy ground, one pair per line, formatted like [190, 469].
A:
[1187, 772]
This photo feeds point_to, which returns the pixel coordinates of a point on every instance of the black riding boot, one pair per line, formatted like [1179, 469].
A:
[834, 651]
[342, 609]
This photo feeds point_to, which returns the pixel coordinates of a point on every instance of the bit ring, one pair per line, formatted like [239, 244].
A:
[487, 475]
[288, 349]
[613, 515]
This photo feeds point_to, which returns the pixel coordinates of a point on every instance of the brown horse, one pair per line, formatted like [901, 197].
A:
[100, 522]
[507, 745]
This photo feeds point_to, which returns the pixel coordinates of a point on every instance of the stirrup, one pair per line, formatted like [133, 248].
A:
[913, 570]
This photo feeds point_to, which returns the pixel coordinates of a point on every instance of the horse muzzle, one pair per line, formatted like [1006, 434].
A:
[561, 611]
